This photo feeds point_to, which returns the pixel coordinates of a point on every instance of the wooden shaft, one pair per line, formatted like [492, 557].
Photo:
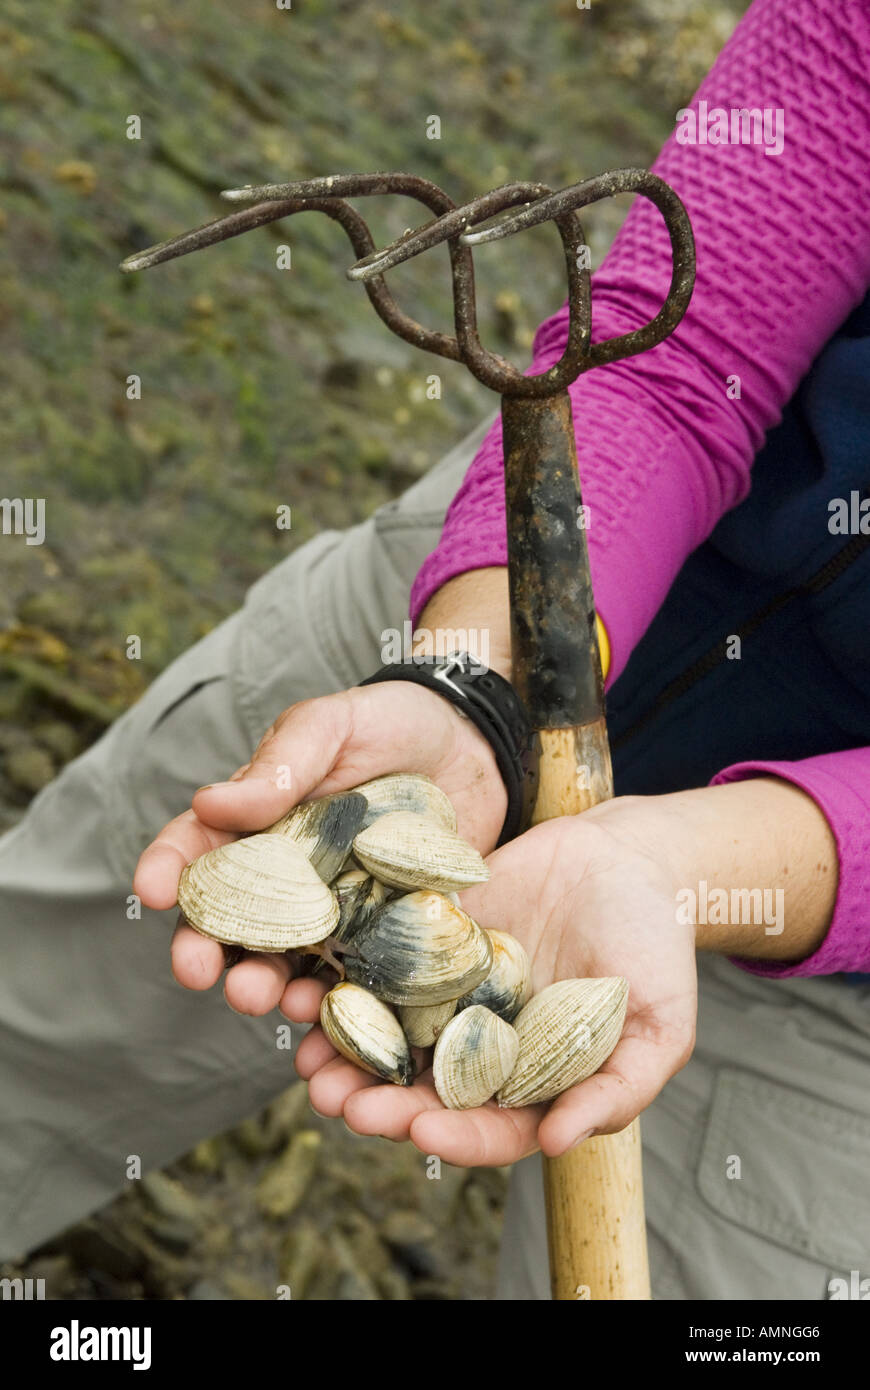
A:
[596, 1229]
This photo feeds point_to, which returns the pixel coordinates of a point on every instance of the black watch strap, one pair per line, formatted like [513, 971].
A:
[493, 706]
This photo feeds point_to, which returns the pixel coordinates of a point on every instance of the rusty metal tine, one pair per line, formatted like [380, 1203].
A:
[679, 228]
[578, 195]
[348, 186]
[219, 230]
[449, 225]
[360, 238]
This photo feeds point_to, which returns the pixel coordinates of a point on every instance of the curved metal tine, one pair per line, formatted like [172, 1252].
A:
[234, 224]
[450, 224]
[676, 219]
[490, 368]
[347, 186]
[211, 232]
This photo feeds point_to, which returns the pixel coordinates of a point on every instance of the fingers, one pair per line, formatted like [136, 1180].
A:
[314, 1051]
[608, 1101]
[292, 759]
[300, 1001]
[390, 1110]
[197, 963]
[184, 839]
[256, 984]
[330, 1087]
[483, 1137]
[466, 1138]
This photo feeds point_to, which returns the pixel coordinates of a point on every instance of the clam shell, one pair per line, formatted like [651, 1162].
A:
[509, 983]
[474, 1056]
[407, 791]
[260, 892]
[367, 1032]
[420, 949]
[324, 830]
[359, 897]
[566, 1032]
[423, 1023]
[405, 850]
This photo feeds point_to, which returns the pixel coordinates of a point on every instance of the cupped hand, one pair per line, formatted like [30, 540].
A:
[315, 747]
[590, 895]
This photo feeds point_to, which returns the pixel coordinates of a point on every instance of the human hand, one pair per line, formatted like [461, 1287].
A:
[590, 895]
[318, 746]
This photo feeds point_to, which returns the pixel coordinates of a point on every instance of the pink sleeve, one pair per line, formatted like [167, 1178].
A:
[783, 256]
[839, 783]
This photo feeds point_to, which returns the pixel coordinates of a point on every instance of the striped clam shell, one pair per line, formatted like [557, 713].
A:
[406, 791]
[420, 949]
[324, 829]
[474, 1056]
[424, 1022]
[260, 892]
[565, 1033]
[509, 983]
[367, 1032]
[406, 850]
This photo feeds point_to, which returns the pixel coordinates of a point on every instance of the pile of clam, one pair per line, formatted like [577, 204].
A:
[367, 880]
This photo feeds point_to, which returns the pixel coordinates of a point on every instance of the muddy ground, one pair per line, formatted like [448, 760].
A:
[261, 388]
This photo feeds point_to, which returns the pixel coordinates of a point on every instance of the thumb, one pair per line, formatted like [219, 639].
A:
[291, 760]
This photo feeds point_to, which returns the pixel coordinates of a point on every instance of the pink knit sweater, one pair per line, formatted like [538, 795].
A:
[783, 241]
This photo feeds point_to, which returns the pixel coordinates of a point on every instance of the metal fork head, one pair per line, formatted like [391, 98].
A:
[458, 227]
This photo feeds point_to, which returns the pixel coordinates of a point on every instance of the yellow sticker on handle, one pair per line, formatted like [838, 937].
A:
[603, 645]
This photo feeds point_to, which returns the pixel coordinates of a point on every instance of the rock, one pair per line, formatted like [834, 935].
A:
[301, 1254]
[94, 1245]
[354, 1284]
[286, 1113]
[60, 739]
[58, 1274]
[206, 1157]
[245, 1289]
[250, 1138]
[369, 1252]
[205, 1289]
[394, 1287]
[407, 1228]
[170, 1199]
[177, 1236]
[410, 1236]
[30, 767]
[284, 1183]
[77, 174]
[435, 1290]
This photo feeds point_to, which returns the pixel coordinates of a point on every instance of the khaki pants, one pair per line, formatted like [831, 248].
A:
[756, 1155]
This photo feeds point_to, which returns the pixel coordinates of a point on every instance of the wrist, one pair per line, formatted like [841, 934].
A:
[471, 612]
[754, 865]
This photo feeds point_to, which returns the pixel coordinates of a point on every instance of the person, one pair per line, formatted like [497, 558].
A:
[738, 656]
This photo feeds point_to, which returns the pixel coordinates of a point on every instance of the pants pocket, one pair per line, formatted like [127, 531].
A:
[783, 1194]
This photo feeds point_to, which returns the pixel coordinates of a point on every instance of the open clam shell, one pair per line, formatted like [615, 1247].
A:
[324, 829]
[359, 898]
[367, 1032]
[406, 791]
[406, 850]
[260, 892]
[565, 1033]
[420, 949]
[509, 983]
[474, 1056]
[424, 1022]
